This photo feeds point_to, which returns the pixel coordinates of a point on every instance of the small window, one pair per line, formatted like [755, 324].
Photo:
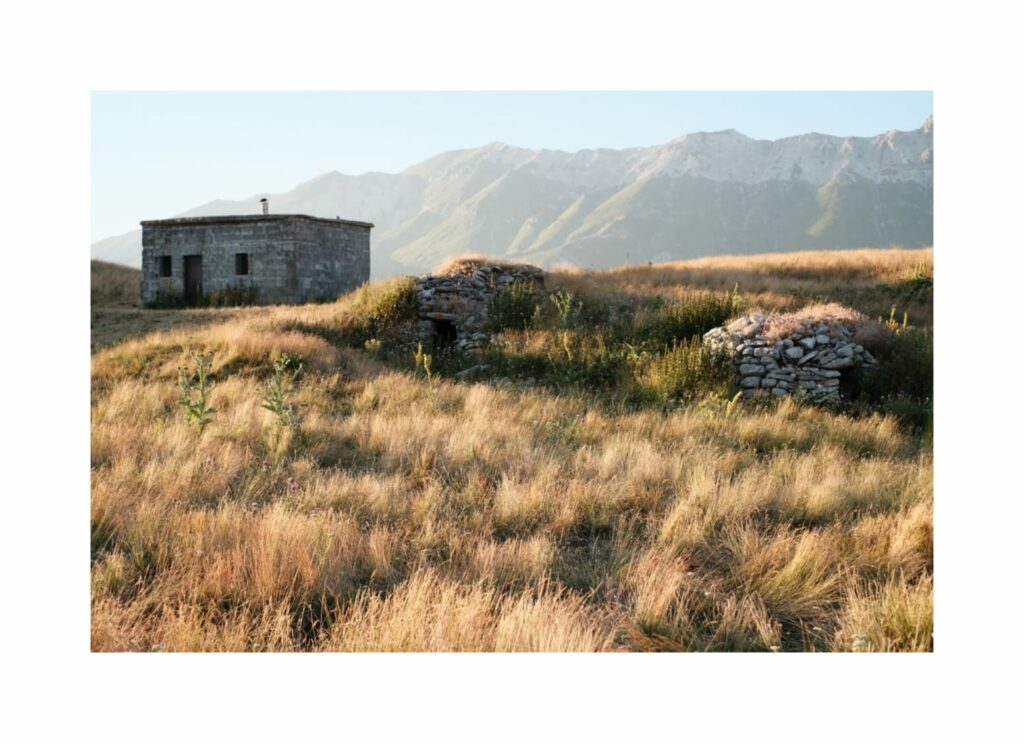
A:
[241, 264]
[165, 265]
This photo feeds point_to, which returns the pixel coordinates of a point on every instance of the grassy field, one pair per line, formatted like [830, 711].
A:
[116, 312]
[592, 486]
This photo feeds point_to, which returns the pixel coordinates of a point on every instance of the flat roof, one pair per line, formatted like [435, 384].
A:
[240, 218]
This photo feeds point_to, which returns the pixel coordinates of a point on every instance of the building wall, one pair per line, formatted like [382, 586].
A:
[330, 259]
[291, 259]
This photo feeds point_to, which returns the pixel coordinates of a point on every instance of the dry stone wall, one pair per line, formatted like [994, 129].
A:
[810, 356]
[455, 305]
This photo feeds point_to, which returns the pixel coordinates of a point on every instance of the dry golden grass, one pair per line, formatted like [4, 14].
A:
[777, 272]
[779, 326]
[869, 280]
[112, 325]
[469, 261]
[407, 515]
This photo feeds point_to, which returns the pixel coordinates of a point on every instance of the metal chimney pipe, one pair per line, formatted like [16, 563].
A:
[266, 207]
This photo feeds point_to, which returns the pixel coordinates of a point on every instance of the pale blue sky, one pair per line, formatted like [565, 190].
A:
[157, 154]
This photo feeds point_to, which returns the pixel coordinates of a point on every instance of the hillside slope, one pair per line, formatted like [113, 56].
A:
[596, 488]
[114, 285]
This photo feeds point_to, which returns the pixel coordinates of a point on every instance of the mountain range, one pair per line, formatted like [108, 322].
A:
[707, 193]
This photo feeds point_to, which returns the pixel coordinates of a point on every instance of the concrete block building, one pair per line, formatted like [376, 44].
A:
[268, 258]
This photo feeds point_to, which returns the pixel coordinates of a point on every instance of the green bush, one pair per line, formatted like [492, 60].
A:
[594, 312]
[515, 306]
[689, 370]
[910, 411]
[569, 361]
[904, 368]
[378, 308]
[687, 316]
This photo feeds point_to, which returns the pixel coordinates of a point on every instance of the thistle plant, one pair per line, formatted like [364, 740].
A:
[280, 386]
[195, 391]
[565, 305]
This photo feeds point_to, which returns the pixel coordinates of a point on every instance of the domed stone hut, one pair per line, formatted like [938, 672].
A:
[811, 351]
[454, 303]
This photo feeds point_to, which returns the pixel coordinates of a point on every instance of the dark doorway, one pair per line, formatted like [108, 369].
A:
[848, 387]
[445, 334]
[193, 278]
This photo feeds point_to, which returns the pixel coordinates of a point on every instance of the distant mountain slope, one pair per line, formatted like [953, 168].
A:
[700, 194]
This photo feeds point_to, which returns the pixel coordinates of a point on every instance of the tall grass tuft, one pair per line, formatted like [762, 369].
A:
[688, 315]
[515, 306]
[374, 310]
[902, 381]
[689, 370]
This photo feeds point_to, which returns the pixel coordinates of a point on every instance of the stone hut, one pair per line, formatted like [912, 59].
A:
[810, 351]
[455, 303]
[265, 258]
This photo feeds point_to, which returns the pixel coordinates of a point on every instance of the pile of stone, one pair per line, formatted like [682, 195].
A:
[786, 354]
[454, 305]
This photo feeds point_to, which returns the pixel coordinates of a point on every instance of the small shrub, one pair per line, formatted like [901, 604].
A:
[593, 312]
[692, 314]
[516, 306]
[378, 308]
[688, 370]
[904, 368]
[910, 411]
[195, 391]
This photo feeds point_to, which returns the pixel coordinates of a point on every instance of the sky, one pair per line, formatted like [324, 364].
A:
[156, 154]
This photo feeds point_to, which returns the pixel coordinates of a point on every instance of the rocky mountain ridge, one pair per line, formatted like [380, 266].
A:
[700, 194]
